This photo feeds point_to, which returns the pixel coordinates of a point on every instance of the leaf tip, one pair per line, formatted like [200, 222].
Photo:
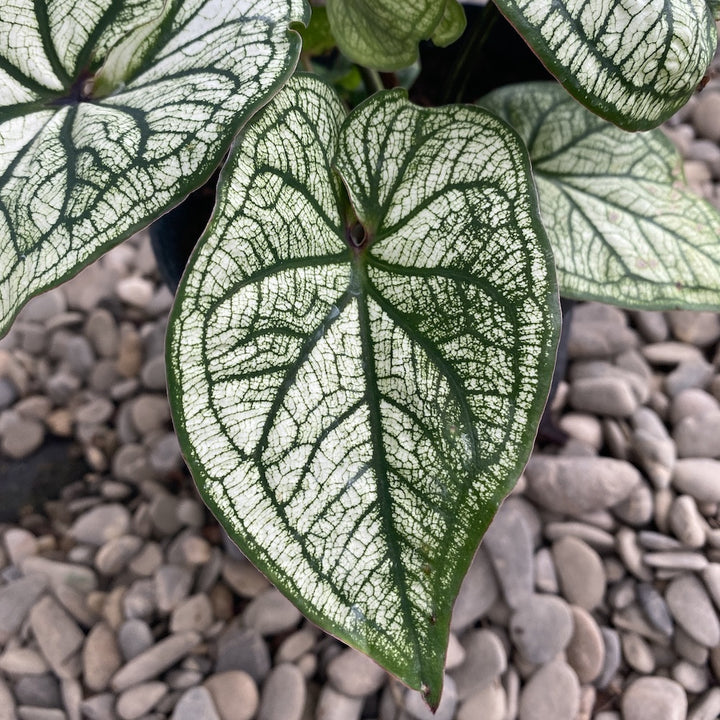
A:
[431, 691]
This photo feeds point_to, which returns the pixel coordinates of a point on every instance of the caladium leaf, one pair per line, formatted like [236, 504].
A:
[451, 25]
[356, 375]
[634, 63]
[317, 37]
[112, 111]
[384, 34]
[623, 226]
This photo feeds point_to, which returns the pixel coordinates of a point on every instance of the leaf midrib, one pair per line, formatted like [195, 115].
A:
[384, 496]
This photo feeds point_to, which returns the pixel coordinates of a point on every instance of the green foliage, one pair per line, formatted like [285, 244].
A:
[361, 347]
[384, 34]
[623, 227]
[317, 37]
[387, 335]
[634, 65]
[133, 112]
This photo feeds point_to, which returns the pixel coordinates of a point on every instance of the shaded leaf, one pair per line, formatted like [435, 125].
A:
[384, 34]
[451, 26]
[356, 375]
[317, 36]
[633, 63]
[623, 226]
[78, 174]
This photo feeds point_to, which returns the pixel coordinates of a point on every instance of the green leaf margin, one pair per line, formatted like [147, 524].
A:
[644, 107]
[666, 256]
[15, 295]
[431, 686]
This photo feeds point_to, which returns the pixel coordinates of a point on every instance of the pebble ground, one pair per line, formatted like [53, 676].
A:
[596, 593]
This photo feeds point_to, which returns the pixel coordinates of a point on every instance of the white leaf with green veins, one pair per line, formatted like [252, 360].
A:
[623, 226]
[356, 376]
[384, 34]
[77, 173]
[634, 62]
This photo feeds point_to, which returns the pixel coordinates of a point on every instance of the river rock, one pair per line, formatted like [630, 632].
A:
[101, 523]
[578, 485]
[489, 703]
[194, 704]
[698, 477]
[541, 627]
[16, 599]
[707, 707]
[134, 637]
[612, 657]
[155, 660]
[695, 327]
[115, 554]
[544, 571]
[333, 705]
[243, 577]
[609, 395]
[478, 592]
[194, 613]
[234, 694]
[651, 698]
[586, 650]
[150, 413]
[552, 692]
[20, 436]
[691, 607]
[691, 402]
[355, 674]
[693, 678]
[691, 374]
[508, 543]
[38, 691]
[102, 331]
[637, 653]
[22, 661]
[100, 657]
[698, 436]
[58, 636]
[243, 649]
[283, 694]
[593, 338]
[271, 613]
[655, 608]
[19, 543]
[637, 508]
[580, 572]
[485, 661]
[686, 522]
[140, 699]
[135, 291]
[172, 586]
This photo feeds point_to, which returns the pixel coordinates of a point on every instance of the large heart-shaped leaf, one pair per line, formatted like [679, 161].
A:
[623, 226]
[356, 377]
[634, 63]
[384, 34]
[79, 173]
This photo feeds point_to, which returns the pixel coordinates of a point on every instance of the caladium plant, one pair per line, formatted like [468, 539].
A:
[359, 354]
[363, 341]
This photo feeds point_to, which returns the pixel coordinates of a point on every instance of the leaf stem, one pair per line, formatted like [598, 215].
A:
[306, 62]
[372, 80]
[472, 44]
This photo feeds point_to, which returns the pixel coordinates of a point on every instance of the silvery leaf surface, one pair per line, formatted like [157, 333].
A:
[384, 34]
[111, 111]
[624, 227]
[634, 62]
[359, 354]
